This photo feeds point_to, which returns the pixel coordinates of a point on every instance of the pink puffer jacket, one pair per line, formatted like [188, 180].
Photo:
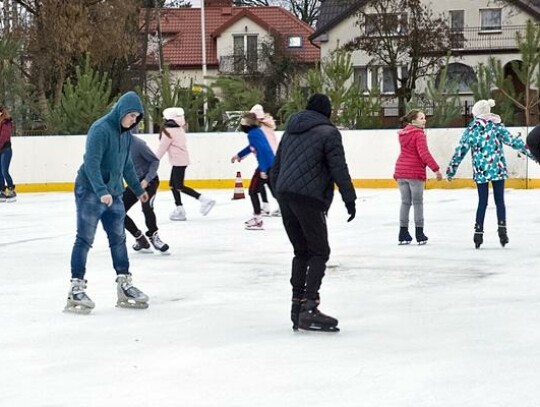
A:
[414, 156]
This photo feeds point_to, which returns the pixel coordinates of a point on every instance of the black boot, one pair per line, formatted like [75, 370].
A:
[312, 319]
[404, 235]
[478, 235]
[420, 237]
[295, 312]
[501, 230]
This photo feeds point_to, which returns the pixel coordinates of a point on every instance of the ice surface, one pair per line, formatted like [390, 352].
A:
[436, 325]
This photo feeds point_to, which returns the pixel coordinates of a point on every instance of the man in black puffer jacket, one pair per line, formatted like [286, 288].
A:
[309, 161]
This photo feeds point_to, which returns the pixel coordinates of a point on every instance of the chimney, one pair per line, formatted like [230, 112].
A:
[218, 3]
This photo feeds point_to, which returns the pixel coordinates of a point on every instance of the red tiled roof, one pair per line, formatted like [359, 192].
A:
[181, 29]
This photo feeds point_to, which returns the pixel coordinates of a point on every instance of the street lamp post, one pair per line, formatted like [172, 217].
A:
[203, 39]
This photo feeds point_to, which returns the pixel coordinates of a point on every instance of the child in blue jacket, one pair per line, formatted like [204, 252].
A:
[258, 144]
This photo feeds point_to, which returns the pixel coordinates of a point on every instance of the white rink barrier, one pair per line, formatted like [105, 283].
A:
[48, 163]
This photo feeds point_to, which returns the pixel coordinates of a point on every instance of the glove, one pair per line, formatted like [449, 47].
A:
[351, 210]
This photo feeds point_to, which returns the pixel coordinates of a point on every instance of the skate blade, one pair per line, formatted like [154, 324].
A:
[318, 328]
[77, 309]
[166, 253]
[404, 243]
[144, 251]
[250, 228]
[422, 243]
[132, 305]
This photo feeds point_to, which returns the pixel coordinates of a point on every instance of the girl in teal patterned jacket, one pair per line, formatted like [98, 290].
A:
[485, 137]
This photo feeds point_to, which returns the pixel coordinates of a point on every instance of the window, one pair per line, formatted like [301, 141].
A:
[490, 19]
[460, 74]
[245, 53]
[387, 24]
[387, 81]
[361, 78]
[295, 42]
[457, 21]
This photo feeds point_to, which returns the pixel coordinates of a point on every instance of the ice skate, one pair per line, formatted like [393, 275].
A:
[141, 243]
[276, 213]
[11, 195]
[78, 302]
[404, 236]
[158, 244]
[206, 204]
[295, 312]
[255, 223]
[129, 296]
[501, 230]
[478, 236]
[265, 209]
[311, 319]
[3, 196]
[420, 237]
[178, 214]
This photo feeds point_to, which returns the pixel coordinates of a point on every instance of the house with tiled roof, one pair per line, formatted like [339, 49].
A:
[479, 29]
[234, 39]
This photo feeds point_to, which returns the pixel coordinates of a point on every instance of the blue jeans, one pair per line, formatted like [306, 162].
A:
[90, 211]
[5, 160]
[498, 194]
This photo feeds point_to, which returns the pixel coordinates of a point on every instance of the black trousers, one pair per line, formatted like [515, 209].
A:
[147, 207]
[256, 188]
[176, 183]
[306, 227]
[533, 142]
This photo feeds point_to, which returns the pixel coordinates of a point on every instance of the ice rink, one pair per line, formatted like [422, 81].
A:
[421, 326]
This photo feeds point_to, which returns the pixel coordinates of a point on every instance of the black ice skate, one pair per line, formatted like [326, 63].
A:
[420, 237]
[78, 302]
[311, 319]
[501, 230]
[129, 296]
[404, 235]
[478, 235]
[158, 244]
[295, 312]
[141, 243]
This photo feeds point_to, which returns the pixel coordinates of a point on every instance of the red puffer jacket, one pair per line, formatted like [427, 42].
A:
[414, 156]
[6, 128]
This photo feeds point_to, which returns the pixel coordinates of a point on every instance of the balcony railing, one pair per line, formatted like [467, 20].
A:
[241, 65]
[476, 39]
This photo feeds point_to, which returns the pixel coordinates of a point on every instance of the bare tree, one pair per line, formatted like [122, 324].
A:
[402, 34]
[305, 10]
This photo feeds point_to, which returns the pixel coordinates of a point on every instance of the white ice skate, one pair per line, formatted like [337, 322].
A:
[255, 223]
[158, 244]
[129, 296]
[78, 302]
[179, 214]
[276, 213]
[206, 204]
[265, 209]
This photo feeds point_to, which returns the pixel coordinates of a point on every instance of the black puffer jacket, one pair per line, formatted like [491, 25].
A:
[309, 160]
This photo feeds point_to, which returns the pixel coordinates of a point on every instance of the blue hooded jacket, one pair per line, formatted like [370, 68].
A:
[107, 160]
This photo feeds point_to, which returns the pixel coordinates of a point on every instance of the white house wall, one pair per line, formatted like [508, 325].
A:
[244, 26]
[42, 163]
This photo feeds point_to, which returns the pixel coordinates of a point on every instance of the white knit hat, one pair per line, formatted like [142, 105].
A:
[258, 110]
[172, 113]
[483, 107]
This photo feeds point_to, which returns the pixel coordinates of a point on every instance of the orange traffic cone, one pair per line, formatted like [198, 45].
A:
[238, 187]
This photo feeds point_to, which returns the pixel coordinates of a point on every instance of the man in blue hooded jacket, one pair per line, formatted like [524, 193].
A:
[98, 196]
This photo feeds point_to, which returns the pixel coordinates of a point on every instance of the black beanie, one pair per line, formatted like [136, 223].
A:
[320, 103]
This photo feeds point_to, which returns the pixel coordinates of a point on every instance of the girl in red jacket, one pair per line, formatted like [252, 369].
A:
[7, 191]
[410, 174]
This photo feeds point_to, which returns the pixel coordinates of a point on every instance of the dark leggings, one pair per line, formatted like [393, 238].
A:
[147, 207]
[498, 194]
[177, 185]
[256, 187]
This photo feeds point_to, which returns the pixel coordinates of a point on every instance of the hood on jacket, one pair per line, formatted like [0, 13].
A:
[306, 120]
[128, 103]
[406, 134]
[489, 117]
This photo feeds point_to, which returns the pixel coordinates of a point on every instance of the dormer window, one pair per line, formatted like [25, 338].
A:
[294, 41]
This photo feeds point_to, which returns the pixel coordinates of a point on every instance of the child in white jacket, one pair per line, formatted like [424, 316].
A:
[172, 140]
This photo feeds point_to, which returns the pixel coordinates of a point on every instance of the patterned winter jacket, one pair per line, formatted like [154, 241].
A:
[485, 137]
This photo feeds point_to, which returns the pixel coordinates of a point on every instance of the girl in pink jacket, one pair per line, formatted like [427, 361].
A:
[410, 173]
[172, 140]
